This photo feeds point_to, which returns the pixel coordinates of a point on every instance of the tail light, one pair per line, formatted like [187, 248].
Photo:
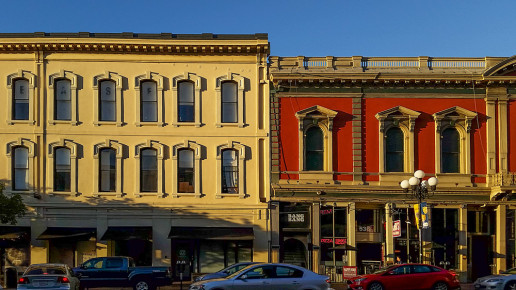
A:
[63, 280]
[328, 281]
[454, 275]
[23, 280]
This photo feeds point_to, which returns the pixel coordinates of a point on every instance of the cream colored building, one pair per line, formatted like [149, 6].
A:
[148, 145]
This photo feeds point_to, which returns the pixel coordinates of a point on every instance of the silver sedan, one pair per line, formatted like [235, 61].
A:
[270, 276]
[48, 276]
[505, 281]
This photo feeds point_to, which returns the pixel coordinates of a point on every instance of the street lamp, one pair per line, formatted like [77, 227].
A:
[419, 189]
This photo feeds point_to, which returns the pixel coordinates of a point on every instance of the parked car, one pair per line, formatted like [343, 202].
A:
[505, 281]
[48, 276]
[121, 272]
[407, 277]
[225, 272]
[269, 276]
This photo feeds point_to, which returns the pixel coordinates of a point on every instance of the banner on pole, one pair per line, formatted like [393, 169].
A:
[396, 229]
[424, 214]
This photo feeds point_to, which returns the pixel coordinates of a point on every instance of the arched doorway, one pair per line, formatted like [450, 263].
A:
[294, 252]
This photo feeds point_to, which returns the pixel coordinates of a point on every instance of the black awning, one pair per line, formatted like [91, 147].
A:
[11, 233]
[127, 233]
[83, 234]
[212, 233]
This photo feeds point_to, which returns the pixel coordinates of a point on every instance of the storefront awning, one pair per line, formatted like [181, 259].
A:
[52, 233]
[127, 233]
[10, 233]
[212, 233]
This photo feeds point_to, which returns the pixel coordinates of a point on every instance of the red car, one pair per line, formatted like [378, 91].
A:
[407, 277]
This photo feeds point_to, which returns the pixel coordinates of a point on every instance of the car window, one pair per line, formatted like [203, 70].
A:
[286, 272]
[46, 271]
[417, 269]
[95, 263]
[510, 271]
[435, 269]
[262, 272]
[401, 270]
[114, 263]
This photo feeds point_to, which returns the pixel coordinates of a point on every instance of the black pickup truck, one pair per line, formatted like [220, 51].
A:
[121, 272]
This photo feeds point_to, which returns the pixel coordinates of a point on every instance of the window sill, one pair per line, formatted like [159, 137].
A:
[107, 193]
[54, 122]
[191, 194]
[140, 194]
[99, 123]
[321, 177]
[156, 124]
[186, 124]
[12, 122]
[220, 125]
[222, 195]
[51, 193]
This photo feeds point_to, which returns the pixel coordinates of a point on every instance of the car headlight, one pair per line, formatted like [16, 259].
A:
[197, 287]
[199, 278]
[360, 280]
[492, 280]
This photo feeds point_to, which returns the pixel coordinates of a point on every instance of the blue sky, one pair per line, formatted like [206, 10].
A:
[459, 28]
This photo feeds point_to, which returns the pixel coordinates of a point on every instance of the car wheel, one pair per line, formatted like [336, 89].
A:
[440, 286]
[375, 286]
[142, 285]
[511, 285]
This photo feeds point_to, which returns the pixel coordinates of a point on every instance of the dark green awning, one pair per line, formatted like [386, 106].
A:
[83, 234]
[212, 233]
[127, 233]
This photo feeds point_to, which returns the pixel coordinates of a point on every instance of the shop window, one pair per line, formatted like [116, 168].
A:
[230, 174]
[406, 247]
[445, 235]
[62, 169]
[333, 225]
[186, 102]
[149, 102]
[368, 220]
[148, 170]
[450, 151]
[107, 170]
[20, 168]
[511, 238]
[185, 171]
[314, 149]
[394, 151]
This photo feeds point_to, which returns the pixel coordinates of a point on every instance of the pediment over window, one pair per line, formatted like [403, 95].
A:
[452, 116]
[396, 116]
[503, 68]
[317, 113]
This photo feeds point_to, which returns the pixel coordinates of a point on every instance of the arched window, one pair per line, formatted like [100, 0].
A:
[62, 169]
[63, 100]
[394, 151]
[20, 168]
[314, 149]
[149, 99]
[229, 102]
[229, 171]
[149, 170]
[450, 151]
[186, 103]
[107, 100]
[185, 171]
[107, 170]
[21, 99]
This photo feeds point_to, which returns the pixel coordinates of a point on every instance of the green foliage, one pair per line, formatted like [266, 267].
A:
[11, 208]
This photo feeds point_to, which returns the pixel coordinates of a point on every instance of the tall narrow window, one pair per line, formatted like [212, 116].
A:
[149, 97]
[63, 100]
[314, 149]
[21, 100]
[149, 170]
[107, 168]
[394, 150]
[185, 171]
[450, 152]
[229, 171]
[186, 102]
[107, 104]
[62, 169]
[20, 168]
[229, 102]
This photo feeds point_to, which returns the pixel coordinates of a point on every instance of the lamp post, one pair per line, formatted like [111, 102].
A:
[419, 189]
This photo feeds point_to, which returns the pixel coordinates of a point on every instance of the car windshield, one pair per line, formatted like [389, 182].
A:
[383, 270]
[46, 270]
[510, 271]
[233, 268]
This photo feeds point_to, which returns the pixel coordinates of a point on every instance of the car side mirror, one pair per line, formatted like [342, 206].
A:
[243, 277]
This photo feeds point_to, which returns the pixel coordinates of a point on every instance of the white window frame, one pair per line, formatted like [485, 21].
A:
[460, 119]
[197, 81]
[119, 149]
[242, 156]
[160, 154]
[73, 166]
[31, 78]
[240, 81]
[323, 118]
[118, 80]
[73, 96]
[31, 146]
[197, 149]
[159, 80]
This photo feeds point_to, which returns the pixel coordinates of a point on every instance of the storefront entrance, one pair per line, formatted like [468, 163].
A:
[480, 255]
[369, 257]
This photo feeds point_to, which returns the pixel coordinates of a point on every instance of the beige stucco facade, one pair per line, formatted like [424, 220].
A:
[205, 60]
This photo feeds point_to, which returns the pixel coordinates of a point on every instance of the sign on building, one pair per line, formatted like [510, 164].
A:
[396, 229]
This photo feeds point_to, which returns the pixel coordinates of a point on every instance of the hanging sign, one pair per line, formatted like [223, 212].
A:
[396, 229]
[424, 214]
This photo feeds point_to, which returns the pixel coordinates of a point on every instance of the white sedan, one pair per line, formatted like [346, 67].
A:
[505, 281]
